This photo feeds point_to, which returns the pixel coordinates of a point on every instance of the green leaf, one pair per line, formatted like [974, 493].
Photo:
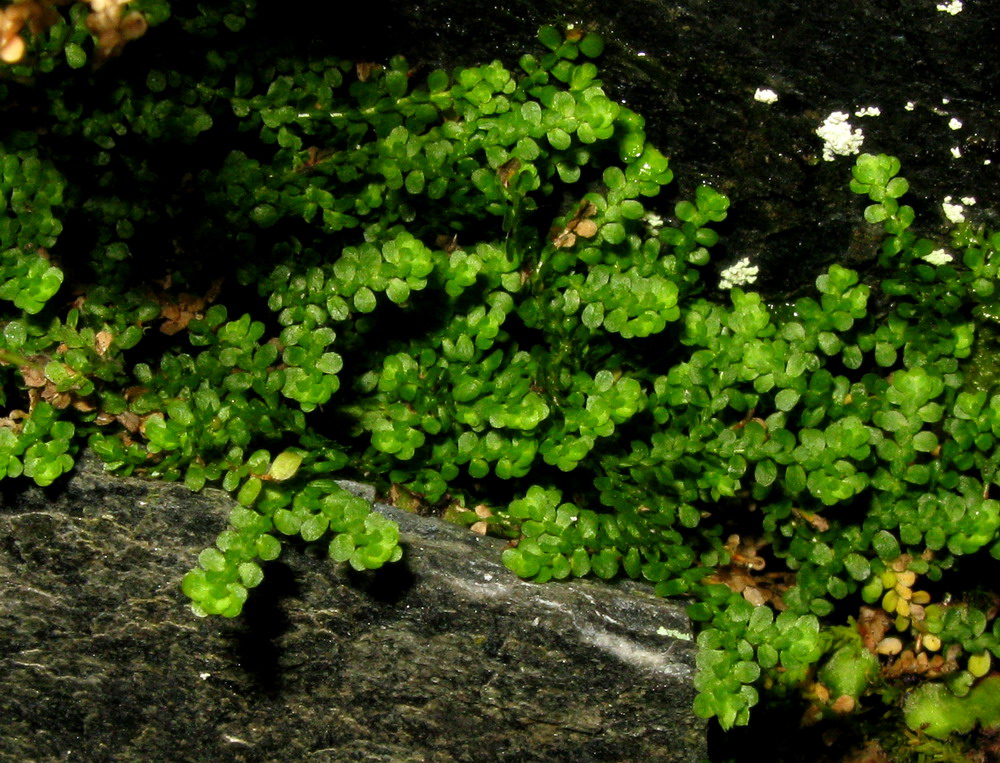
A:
[76, 57]
[285, 465]
[559, 139]
[592, 45]
[765, 472]
[886, 545]
[925, 441]
[786, 399]
[364, 300]
[550, 37]
[605, 563]
[521, 564]
[264, 215]
[437, 81]
[342, 547]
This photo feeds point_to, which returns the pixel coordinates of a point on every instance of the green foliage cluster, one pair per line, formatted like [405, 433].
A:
[455, 282]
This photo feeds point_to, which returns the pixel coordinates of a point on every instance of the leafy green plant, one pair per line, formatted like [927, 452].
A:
[451, 282]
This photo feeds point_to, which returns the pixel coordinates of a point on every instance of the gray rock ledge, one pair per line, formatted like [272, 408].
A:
[446, 656]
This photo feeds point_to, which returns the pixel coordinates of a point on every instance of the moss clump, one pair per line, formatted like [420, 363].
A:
[933, 709]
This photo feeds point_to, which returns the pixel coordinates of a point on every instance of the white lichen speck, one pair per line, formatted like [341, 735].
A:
[954, 212]
[938, 257]
[839, 139]
[653, 221]
[740, 274]
[868, 111]
[954, 7]
[765, 95]
[955, 124]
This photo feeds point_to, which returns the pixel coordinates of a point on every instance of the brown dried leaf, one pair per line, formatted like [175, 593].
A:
[910, 663]
[743, 553]
[843, 705]
[83, 404]
[58, 400]
[180, 312]
[111, 28]
[365, 69]
[34, 375]
[820, 692]
[447, 244]
[812, 715]
[131, 421]
[133, 393]
[12, 50]
[506, 171]
[404, 499]
[873, 624]
[566, 237]
[102, 341]
[872, 752]
[814, 519]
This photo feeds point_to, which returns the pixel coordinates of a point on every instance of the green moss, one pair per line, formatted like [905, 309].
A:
[460, 282]
[934, 710]
[849, 671]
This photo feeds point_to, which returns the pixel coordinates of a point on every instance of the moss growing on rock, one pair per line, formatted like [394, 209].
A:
[458, 284]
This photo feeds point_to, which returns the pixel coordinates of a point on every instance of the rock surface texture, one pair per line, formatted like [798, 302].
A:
[445, 656]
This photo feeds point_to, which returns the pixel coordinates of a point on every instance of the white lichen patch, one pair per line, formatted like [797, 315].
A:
[969, 200]
[673, 633]
[868, 111]
[765, 95]
[954, 7]
[740, 274]
[631, 652]
[954, 212]
[839, 138]
[955, 124]
[653, 221]
[910, 106]
[956, 152]
[938, 257]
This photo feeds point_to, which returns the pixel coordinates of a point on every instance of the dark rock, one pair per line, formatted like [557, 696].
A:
[445, 656]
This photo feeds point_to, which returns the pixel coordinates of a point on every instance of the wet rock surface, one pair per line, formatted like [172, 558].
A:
[446, 656]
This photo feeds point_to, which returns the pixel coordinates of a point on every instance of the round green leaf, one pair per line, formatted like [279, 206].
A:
[76, 57]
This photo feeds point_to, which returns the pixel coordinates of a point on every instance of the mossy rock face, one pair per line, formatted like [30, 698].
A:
[692, 70]
[476, 286]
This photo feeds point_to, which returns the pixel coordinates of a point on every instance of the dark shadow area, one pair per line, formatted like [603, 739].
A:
[372, 31]
[775, 734]
[387, 585]
[263, 621]
[22, 495]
